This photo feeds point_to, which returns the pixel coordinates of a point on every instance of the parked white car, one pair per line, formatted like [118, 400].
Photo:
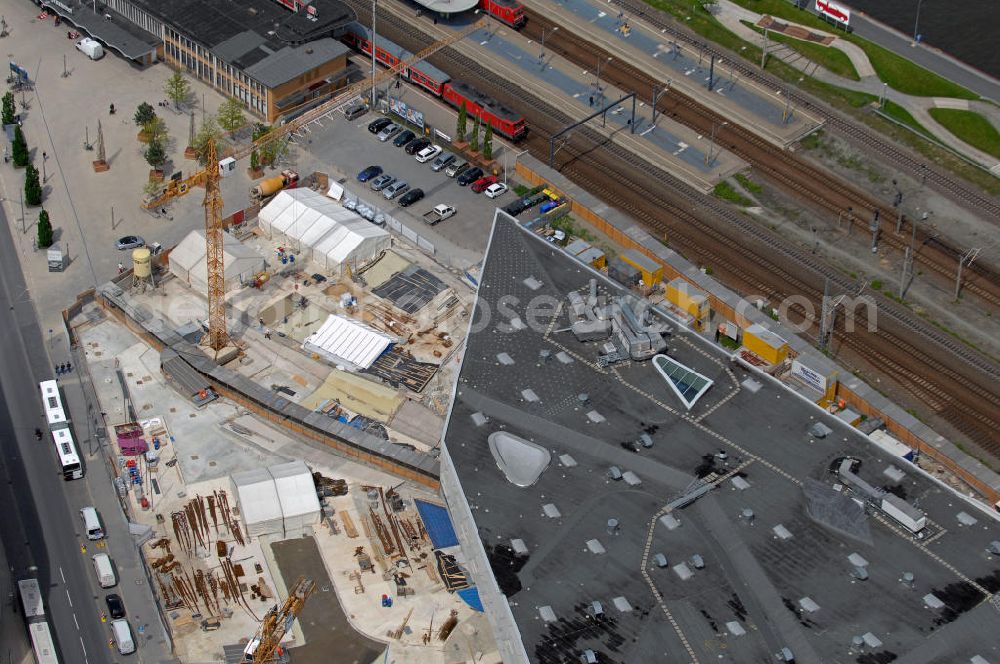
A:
[428, 153]
[496, 190]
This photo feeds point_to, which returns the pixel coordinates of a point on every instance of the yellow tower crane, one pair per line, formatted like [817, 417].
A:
[218, 336]
[277, 621]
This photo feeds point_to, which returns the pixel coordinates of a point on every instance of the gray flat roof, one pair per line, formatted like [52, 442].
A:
[751, 576]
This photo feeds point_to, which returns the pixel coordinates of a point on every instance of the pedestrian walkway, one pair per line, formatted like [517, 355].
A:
[734, 17]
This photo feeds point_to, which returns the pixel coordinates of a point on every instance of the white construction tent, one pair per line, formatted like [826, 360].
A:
[278, 500]
[322, 230]
[188, 261]
[347, 342]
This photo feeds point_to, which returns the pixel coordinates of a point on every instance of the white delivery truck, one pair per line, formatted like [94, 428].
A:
[105, 570]
[92, 523]
[90, 48]
[122, 634]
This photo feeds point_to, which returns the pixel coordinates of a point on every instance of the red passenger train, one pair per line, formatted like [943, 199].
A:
[505, 121]
[510, 12]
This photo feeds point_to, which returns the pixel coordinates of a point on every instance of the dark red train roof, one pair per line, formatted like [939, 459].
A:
[513, 4]
[486, 101]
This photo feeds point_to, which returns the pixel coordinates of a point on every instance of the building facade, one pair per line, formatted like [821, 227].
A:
[273, 58]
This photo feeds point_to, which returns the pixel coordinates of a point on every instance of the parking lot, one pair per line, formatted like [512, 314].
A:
[461, 239]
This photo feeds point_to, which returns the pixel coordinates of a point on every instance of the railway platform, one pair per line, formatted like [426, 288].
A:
[767, 111]
[665, 144]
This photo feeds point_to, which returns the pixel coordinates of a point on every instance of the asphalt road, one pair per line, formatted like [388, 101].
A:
[39, 528]
[929, 58]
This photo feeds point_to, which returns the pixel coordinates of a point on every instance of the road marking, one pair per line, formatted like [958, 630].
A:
[83, 648]
[68, 598]
[76, 622]
[62, 575]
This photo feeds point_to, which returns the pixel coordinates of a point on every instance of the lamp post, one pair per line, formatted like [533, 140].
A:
[916, 23]
[541, 56]
[516, 155]
[597, 84]
[374, 3]
[709, 159]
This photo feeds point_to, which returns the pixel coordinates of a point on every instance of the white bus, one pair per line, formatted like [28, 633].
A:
[55, 414]
[33, 610]
[69, 460]
[41, 643]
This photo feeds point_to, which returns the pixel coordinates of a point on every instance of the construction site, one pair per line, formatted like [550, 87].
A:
[274, 390]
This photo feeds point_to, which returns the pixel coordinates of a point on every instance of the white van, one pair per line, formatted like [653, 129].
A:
[105, 570]
[92, 523]
[90, 48]
[122, 634]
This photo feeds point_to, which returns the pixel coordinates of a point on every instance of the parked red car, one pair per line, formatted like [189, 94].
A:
[480, 185]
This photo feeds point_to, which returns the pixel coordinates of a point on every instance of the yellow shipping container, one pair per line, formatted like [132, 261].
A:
[765, 343]
[650, 271]
[687, 298]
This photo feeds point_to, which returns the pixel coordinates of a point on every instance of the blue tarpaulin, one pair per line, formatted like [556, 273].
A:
[471, 597]
[438, 524]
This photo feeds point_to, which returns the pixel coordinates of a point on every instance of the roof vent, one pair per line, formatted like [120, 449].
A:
[907, 579]
[747, 516]
[614, 528]
[309, 51]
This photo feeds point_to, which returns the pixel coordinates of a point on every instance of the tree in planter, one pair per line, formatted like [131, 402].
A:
[488, 143]
[463, 114]
[474, 141]
[44, 230]
[209, 130]
[19, 150]
[32, 187]
[144, 114]
[156, 155]
[155, 130]
[9, 109]
[274, 150]
[254, 161]
[231, 115]
[178, 89]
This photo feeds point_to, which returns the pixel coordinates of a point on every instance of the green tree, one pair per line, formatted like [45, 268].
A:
[273, 150]
[44, 230]
[155, 130]
[254, 160]
[231, 115]
[209, 130]
[156, 155]
[474, 141]
[144, 114]
[178, 89]
[9, 109]
[32, 187]
[19, 149]
[462, 119]
[488, 143]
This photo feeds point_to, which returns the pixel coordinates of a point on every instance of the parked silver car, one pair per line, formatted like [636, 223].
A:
[390, 130]
[395, 189]
[381, 182]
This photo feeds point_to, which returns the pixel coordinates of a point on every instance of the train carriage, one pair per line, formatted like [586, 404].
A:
[510, 12]
[389, 54]
[505, 121]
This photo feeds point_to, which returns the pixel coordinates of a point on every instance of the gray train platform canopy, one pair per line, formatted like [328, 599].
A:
[107, 26]
[448, 6]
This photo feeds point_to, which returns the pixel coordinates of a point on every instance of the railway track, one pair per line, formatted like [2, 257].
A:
[916, 166]
[710, 233]
[796, 175]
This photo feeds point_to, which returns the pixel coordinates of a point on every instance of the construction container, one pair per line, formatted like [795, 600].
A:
[765, 344]
[687, 298]
[593, 257]
[624, 273]
[576, 247]
[651, 272]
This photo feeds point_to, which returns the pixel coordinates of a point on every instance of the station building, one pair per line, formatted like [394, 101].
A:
[276, 56]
